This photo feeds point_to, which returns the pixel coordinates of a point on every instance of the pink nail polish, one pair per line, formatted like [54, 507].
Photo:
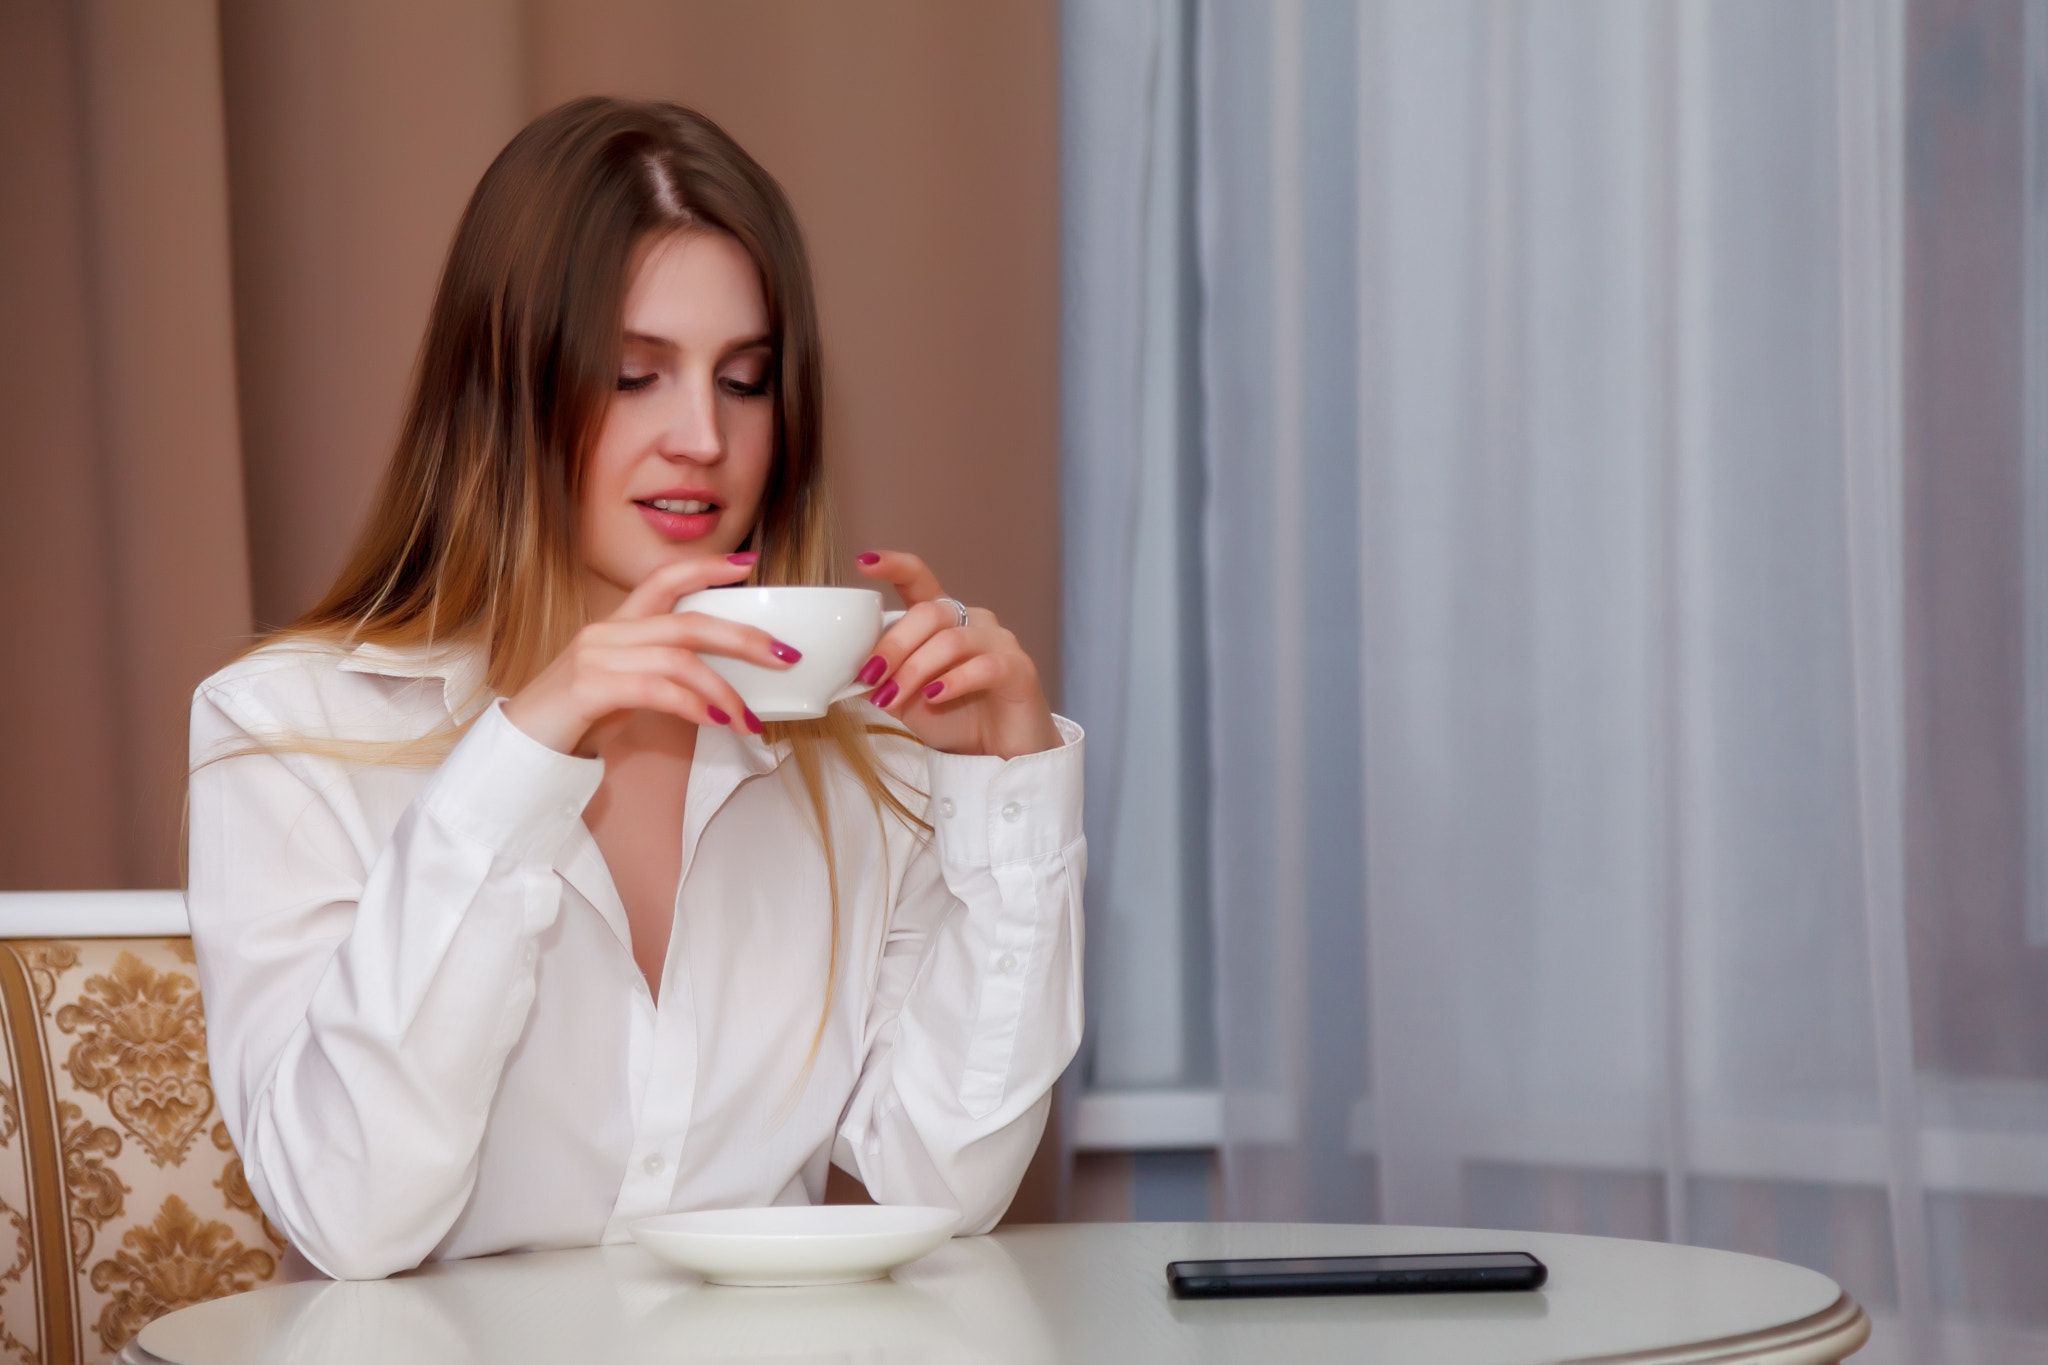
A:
[744, 557]
[718, 717]
[753, 721]
[886, 695]
[787, 653]
[933, 689]
[868, 557]
[871, 672]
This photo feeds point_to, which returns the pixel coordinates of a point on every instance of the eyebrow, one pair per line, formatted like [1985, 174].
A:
[664, 344]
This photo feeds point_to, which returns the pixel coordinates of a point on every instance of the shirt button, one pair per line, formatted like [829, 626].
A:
[654, 1163]
[1007, 964]
[946, 807]
[1013, 812]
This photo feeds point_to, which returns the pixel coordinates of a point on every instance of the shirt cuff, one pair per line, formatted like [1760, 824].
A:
[505, 789]
[987, 811]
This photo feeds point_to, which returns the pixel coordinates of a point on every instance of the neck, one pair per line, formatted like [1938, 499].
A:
[601, 597]
[626, 733]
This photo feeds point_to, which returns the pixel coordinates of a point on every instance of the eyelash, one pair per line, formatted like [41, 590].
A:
[635, 383]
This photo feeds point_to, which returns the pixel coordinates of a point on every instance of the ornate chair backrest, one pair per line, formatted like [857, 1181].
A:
[121, 1197]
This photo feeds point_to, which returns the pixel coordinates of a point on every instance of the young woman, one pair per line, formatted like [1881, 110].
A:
[514, 924]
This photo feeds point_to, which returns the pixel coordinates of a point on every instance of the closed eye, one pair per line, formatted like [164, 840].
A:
[633, 383]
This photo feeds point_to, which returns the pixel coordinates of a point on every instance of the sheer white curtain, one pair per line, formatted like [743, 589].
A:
[1534, 533]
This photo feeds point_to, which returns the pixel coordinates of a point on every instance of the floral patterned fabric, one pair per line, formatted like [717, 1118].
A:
[121, 1197]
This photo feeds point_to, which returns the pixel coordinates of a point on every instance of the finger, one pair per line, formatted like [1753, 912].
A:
[722, 705]
[652, 689]
[695, 630]
[665, 694]
[913, 581]
[699, 677]
[920, 624]
[982, 673]
[946, 650]
[713, 635]
[660, 590]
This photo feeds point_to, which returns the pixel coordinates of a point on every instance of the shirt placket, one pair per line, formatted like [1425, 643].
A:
[668, 1085]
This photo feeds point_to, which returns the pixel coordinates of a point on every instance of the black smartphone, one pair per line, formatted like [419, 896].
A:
[1459, 1273]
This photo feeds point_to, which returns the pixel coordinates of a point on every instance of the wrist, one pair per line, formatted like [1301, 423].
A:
[537, 723]
[1035, 739]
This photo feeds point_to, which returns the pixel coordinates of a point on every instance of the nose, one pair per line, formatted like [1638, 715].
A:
[690, 428]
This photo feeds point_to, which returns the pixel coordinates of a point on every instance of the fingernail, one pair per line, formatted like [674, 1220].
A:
[886, 694]
[871, 672]
[933, 689]
[744, 557]
[868, 557]
[787, 653]
[753, 721]
[718, 717]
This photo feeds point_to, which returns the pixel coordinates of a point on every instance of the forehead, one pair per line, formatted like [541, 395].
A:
[695, 288]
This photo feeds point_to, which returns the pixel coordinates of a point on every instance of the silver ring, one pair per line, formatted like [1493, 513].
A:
[959, 609]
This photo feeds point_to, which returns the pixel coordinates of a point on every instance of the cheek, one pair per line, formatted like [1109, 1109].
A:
[752, 437]
[603, 488]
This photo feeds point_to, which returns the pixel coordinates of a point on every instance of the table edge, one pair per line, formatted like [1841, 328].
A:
[1824, 1337]
[1820, 1338]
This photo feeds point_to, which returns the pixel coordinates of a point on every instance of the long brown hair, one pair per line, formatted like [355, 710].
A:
[472, 539]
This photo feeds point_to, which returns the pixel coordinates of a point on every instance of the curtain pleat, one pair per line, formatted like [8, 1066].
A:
[128, 530]
[57, 684]
[1109, 72]
[355, 133]
[1610, 437]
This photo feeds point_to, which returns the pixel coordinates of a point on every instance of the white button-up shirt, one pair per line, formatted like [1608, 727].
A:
[428, 1034]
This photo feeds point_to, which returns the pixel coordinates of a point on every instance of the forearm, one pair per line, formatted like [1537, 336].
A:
[909, 1154]
[363, 1133]
[955, 1091]
[358, 1025]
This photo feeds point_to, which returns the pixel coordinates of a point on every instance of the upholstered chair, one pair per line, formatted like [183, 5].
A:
[121, 1197]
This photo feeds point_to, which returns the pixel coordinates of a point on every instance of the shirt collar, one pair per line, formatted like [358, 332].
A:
[458, 668]
[723, 750]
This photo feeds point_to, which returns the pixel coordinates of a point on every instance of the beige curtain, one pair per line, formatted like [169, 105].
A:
[220, 225]
[121, 541]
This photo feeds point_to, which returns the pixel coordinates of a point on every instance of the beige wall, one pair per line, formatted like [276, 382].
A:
[220, 232]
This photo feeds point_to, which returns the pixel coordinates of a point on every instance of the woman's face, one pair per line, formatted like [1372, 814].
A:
[679, 466]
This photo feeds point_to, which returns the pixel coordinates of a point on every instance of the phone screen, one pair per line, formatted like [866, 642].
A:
[1422, 1274]
[1337, 1265]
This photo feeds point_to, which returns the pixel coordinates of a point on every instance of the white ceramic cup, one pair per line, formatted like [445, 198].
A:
[835, 629]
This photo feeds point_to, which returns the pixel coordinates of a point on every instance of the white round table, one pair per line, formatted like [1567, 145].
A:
[1082, 1292]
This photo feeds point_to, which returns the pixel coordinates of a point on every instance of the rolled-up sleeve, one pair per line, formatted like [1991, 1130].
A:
[364, 986]
[978, 1008]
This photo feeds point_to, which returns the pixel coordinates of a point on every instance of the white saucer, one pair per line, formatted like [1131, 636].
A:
[821, 1244]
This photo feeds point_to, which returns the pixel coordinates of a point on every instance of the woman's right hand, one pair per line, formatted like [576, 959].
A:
[644, 656]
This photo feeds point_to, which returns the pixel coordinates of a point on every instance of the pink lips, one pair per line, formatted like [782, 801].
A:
[679, 526]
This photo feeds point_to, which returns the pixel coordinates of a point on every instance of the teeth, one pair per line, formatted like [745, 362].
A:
[685, 506]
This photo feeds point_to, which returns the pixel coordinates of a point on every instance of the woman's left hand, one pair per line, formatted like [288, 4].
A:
[961, 689]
